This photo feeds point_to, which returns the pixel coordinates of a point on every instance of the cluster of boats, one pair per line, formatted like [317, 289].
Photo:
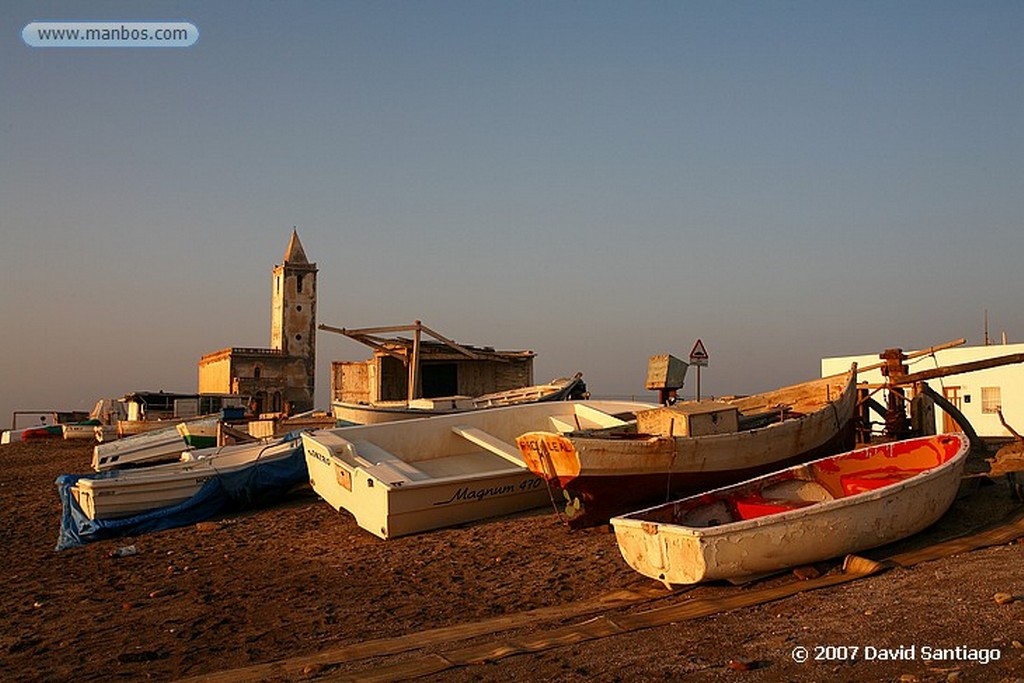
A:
[85, 429]
[724, 503]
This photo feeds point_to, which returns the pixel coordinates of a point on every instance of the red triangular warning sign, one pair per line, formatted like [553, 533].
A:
[699, 353]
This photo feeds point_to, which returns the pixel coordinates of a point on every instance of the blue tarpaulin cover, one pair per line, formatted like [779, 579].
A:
[261, 484]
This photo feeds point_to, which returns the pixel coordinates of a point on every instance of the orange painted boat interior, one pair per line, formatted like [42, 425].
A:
[840, 476]
[878, 466]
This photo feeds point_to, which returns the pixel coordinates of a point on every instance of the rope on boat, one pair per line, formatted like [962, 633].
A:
[549, 466]
[671, 467]
[256, 460]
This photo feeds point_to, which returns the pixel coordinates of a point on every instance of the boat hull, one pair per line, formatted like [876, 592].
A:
[79, 432]
[806, 514]
[135, 427]
[146, 448]
[377, 413]
[592, 499]
[131, 492]
[416, 475]
[362, 414]
[602, 476]
[390, 511]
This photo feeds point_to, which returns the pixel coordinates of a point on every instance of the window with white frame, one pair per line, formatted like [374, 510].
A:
[991, 399]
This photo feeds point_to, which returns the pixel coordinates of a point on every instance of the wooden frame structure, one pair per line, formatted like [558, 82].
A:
[899, 383]
[409, 351]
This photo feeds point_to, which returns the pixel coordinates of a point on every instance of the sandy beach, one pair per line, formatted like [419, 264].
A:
[289, 593]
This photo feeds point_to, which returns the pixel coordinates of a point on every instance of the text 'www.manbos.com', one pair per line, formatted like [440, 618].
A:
[110, 34]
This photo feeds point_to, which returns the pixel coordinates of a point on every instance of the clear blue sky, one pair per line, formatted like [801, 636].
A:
[595, 181]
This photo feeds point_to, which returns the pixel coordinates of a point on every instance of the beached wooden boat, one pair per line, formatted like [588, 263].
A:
[67, 430]
[690, 447]
[127, 428]
[46, 432]
[805, 514]
[405, 477]
[125, 493]
[80, 431]
[559, 389]
[31, 433]
[143, 449]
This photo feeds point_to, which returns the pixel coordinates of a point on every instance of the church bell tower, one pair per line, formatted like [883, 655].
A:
[293, 316]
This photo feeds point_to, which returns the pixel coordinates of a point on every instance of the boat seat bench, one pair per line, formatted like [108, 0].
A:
[601, 419]
[491, 443]
[387, 466]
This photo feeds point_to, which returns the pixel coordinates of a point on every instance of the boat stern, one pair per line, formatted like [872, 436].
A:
[550, 456]
[329, 477]
[84, 497]
[660, 553]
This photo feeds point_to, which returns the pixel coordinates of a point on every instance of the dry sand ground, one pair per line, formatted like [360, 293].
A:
[300, 579]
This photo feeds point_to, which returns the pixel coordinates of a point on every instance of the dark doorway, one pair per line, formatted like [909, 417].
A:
[258, 401]
[440, 379]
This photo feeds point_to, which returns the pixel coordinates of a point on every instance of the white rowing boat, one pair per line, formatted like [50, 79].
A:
[827, 508]
[125, 493]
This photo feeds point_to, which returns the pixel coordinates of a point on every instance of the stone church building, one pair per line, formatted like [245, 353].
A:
[280, 379]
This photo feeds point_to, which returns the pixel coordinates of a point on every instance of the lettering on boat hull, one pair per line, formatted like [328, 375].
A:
[466, 494]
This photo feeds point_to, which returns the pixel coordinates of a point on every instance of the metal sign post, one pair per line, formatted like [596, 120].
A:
[699, 358]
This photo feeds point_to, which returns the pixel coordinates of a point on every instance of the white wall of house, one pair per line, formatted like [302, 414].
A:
[976, 394]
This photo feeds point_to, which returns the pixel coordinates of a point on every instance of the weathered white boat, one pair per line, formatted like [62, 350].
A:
[827, 508]
[405, 477]
[125, 493]
[126, 428]
[695, 446]
[82, 431]
[143, 449]
[559, 389]
[30, 433]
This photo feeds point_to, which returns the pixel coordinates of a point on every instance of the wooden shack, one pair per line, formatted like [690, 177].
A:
[408, 368]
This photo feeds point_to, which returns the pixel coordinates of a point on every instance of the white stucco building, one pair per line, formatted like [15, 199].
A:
[977, 394]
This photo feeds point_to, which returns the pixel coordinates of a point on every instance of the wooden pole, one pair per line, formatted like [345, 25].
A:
[414, 362]
[957, 369]
[917, 354]
[367, 330]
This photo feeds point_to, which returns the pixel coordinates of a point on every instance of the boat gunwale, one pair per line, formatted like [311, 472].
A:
[537, 393]
[443, 423]
[583, 438]
[632, 520]
[206, 466]
[429, 480]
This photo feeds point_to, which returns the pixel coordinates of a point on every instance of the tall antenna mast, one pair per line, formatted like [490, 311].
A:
[986, 327]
